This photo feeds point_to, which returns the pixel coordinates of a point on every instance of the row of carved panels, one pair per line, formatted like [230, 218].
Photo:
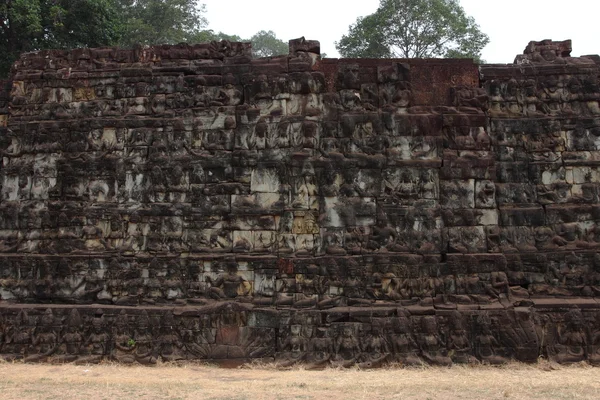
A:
[238, 166]
[375, 173]
[536, 108]
[109, 88]
[309, 281]
[200, 63]
[143, 286]
[210, 207]
[111, 182]
[544, 86]
[122, 100]
[144, 190]
[203, 142]
[219, 52]
[160, 185]
[169, 235]
[460, 263]
[271, 98]
[56, 73]
[270, 73]
[412, 121]
[349, 74]
[574, 145]
[342, 339]
[373, 170]
[501, 202]
[207, 90]
[403, 227]
[532, 135]
[256, 121]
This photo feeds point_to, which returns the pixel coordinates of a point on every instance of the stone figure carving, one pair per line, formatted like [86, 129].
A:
[71, 342]
[571, 341]
[144, 341]
[432, 345]
[376, 349]
[486, 344]
[229, 285]
[95, 346]
[44, 341]
[294, 347]
[405, 348]
[347, 347]
[123, 343]
[459, 345]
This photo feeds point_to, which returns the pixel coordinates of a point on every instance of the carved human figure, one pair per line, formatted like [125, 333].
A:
[44, 339]
[18, 337]
[94, 236]
[329, 279]
[71, 341]
[170, 344]
[307, 286]
[498, 285]
[486, 344]
[376, 349]
[404, 346]
[347, 348]
[265, 292]
[123, 344]
[592, 287]
[229, 285]
[546, 239]
[96, 344]
[332, 242]
[144, 340]
[355, 289]
[321, 348]
[293, 347]
[571, 342]
[594, 352]
[385, 237]
[459, 345]
[432, 345]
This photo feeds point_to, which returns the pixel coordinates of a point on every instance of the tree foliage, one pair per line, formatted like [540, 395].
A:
[209, 35]
[414, 29]
[161, 21]
[266, 44]
[28, 25]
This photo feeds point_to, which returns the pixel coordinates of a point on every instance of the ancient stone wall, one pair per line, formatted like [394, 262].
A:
[190, 202]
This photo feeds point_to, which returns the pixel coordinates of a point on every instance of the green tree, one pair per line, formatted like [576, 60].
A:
[29, 25]
[414, 29]
[209, 35]
[266, 44]
[161, 21]
[80, 23]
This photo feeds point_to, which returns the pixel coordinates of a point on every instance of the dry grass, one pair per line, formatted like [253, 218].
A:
[193, 381]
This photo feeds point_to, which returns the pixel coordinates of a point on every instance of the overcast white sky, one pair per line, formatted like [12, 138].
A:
[510, 24]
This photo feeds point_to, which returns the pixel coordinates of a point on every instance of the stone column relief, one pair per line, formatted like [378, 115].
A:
[191, 202]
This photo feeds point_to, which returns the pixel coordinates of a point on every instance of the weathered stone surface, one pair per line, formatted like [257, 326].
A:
[190, 202]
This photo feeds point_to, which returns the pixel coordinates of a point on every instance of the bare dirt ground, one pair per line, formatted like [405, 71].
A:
[194, 381]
